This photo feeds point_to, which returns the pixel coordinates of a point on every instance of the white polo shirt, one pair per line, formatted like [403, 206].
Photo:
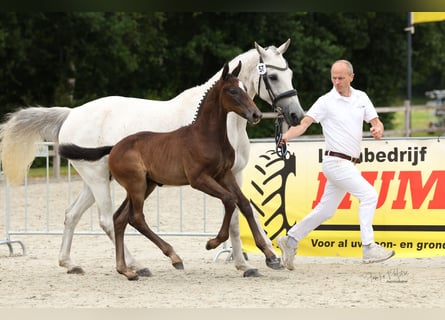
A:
[342, 119]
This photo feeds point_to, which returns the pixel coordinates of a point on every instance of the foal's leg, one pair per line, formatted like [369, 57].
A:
[210, 186]
[223, 234]
[243, 203]
[235, 237]
[137, 220]
[120, 221]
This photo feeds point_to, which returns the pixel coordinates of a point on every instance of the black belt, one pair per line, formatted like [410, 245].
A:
[341, 155]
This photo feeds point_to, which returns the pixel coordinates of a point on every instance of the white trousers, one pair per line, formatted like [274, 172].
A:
[342, 177]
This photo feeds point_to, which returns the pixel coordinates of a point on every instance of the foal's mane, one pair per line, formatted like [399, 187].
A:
[202, 101]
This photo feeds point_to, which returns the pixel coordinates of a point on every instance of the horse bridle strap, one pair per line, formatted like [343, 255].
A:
[280, 149]
[273, 97]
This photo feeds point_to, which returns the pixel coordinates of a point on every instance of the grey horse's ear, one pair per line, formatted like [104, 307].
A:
[237, 70]
[282, 49]
[225, 71]
[260, 49]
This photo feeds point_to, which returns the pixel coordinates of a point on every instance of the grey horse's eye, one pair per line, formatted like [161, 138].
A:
[273, 77]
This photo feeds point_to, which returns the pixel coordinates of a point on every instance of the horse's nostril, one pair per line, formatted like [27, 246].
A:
[256, 117]
[294, 119]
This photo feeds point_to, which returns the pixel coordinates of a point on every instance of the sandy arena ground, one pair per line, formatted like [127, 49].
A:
[36, 281]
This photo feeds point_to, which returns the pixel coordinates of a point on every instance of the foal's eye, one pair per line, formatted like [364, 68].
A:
[233, 90]
[273, 77]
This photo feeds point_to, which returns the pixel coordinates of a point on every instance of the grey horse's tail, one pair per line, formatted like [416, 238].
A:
[21, 132]
[74, 152]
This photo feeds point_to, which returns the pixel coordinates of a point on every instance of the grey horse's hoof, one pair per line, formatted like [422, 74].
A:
[274, 263]
[76, 270]
[250, 273]
[145, 272]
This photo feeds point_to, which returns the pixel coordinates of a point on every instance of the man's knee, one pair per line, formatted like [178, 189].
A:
[370, 197]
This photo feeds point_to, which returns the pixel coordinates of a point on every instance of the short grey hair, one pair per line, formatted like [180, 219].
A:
[348, 65]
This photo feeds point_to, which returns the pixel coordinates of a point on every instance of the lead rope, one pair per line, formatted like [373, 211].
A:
[281, 150]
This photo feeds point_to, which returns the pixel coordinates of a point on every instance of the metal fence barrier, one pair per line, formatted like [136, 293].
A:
[37, 207]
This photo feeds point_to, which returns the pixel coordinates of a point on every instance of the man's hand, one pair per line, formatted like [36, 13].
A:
[283, 139]
[376, 132]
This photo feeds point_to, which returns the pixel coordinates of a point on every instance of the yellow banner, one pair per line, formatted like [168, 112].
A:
[409, 176]
[419, 17]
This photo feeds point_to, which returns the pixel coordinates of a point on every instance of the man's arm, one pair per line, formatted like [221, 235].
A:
[298, 130]
[376, 128]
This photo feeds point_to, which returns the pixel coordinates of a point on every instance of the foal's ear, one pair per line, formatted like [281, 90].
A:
[237, 70]
[225, 71]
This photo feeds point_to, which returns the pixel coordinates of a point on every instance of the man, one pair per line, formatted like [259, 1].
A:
[341, 113]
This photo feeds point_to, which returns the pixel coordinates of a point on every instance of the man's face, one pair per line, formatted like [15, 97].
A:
[341, 78]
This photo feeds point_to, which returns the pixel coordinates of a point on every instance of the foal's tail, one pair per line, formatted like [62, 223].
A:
[21, 132]
[74, 152]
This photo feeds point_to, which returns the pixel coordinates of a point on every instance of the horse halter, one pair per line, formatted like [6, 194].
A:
[262, 70]
[281, 150]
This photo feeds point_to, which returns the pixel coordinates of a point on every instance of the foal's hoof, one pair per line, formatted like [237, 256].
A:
[133, 277]
[144, 272]
[212, 244]
[178, 265]
[130, 275]
[251, 273]
[76, 270]
[274, 263]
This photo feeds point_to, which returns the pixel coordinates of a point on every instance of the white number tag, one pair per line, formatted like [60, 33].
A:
[261, 67]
